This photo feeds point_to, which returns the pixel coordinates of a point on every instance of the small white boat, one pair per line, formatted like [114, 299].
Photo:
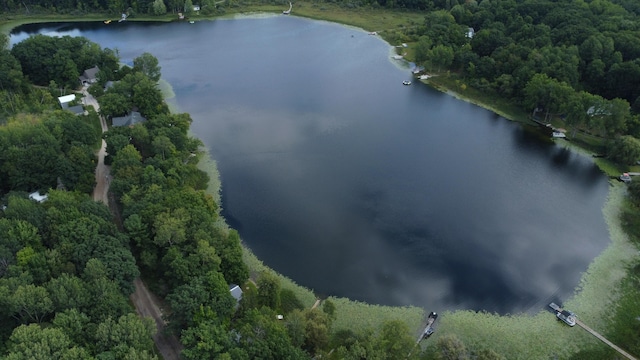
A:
[558, 134]
[398, 57]
[406, 82]
[373, 33]
[567, 316]
[192, 22]
[625, 177]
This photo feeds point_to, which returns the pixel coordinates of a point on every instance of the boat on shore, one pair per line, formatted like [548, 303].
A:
[429, 330]
[558, 134]
[566, 316]
[107, 22]
[625, 177]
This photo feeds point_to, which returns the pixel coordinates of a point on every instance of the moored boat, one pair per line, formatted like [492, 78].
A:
[567, 316]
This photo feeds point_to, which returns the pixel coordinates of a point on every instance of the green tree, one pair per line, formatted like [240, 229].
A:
[68, 292]
[130, 331]
[625, 150]
[206, 340]
[188, 7]
[316, 330]
[75, 325]
[289, 301]
[36, 343]
[441, 56]
[31, 303]
[449, 347]
[147, 63]
[394, 340]
[422, 49]
[269, 290]
[114, 104]
[296, 325]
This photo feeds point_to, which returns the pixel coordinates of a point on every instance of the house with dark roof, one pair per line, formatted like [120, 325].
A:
[67, 100]
[130, 119]
[88, 77]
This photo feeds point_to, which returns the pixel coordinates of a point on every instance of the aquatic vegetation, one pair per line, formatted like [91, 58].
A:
[256, 266]
[359, 316]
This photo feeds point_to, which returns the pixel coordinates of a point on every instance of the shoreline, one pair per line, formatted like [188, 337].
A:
[598, 287]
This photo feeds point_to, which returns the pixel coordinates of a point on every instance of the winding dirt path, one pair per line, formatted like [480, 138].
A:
[146, 304]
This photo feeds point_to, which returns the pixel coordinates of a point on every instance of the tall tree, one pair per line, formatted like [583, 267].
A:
[148, 64]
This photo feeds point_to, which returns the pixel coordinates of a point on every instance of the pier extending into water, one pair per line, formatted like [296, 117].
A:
[558, 309]
[604, 340]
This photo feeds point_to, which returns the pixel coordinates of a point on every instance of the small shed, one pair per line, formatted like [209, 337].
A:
[470, 33]
[236, 292]
[65, 104]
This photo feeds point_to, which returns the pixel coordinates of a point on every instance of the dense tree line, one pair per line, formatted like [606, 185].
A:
[61, 60]
[571, 59]
[16, 94]
[56, 149]
[65, 276]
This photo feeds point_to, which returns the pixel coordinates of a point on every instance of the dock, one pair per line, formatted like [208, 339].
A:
[558, 309]
[604, 340]
[287, 12]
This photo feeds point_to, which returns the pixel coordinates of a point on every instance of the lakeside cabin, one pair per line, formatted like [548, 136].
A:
[89, 76]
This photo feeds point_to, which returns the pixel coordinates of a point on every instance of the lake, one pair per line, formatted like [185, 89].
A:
[341, 178]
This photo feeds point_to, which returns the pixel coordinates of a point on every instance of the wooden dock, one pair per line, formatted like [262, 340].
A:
[604, 340]
[596, 334]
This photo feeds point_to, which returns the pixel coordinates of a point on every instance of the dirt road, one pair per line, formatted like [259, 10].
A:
[147, 305]
[103, 175]
[145, 302]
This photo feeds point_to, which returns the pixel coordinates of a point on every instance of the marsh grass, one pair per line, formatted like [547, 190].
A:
[458, 88]
[359, 316]
[256, 266]
[209, 166]
[166, 89]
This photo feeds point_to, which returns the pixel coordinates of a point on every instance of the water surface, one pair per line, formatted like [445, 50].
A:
[338, 176]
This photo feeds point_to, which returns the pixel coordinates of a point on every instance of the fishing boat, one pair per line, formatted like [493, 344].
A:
[428, 331]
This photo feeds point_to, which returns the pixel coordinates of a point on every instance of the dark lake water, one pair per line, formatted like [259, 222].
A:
[338, 176]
